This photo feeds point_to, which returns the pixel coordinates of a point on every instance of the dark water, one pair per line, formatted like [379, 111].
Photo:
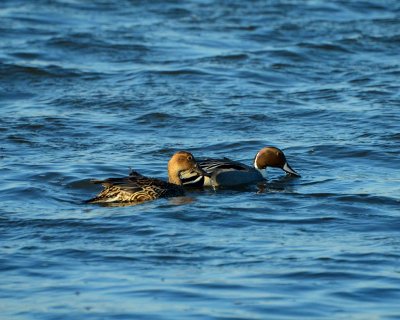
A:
[91, 88]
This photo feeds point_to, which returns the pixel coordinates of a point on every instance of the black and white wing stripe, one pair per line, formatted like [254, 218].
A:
[212, 165]
[191, 178]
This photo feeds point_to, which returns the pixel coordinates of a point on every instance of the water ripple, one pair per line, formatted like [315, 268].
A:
[92, 89]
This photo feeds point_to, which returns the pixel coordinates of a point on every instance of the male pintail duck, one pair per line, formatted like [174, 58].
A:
[228, 173]
[137, 188]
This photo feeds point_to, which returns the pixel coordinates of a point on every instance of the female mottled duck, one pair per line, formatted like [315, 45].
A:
[137, 188]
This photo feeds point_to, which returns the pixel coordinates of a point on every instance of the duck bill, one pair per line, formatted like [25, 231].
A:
[200, 171]
[289, 170]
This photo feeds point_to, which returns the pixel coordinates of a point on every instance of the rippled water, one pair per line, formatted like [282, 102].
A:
[89, 89]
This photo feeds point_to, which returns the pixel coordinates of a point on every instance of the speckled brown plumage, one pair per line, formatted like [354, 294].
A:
[136, 188]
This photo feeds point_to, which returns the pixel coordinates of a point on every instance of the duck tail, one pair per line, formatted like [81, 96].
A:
[134, 173]
[101, 196]
[92, 200]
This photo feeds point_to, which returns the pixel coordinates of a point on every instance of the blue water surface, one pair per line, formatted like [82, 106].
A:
[90, 89]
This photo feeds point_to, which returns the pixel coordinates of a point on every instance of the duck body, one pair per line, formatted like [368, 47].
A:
[228, 173]
[223, 172]
[137, 188]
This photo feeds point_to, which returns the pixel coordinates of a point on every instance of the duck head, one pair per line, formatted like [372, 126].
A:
[181, 162]
[272, 157]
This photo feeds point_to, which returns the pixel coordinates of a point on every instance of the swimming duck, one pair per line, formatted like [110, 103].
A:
[228, 173]
[137, 188]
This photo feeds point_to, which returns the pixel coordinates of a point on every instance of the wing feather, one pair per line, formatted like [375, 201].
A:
[135, 188]
[212, 165]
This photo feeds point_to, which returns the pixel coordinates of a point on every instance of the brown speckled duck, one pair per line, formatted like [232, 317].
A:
[137, 188]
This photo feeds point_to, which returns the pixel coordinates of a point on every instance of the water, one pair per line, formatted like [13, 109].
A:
[92, 88]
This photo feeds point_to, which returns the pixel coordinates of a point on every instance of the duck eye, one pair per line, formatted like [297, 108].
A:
[190, 158]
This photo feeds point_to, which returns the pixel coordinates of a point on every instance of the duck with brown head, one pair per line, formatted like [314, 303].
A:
[137, 188]
[227, 173]
[272, 157]
[182, 162]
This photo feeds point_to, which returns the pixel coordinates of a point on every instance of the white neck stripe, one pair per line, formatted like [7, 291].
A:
[255, 161]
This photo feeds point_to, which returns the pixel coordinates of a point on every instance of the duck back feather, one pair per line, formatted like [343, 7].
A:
[135, 188]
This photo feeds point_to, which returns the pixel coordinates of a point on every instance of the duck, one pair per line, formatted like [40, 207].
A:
[229, 173]
[137, 188]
